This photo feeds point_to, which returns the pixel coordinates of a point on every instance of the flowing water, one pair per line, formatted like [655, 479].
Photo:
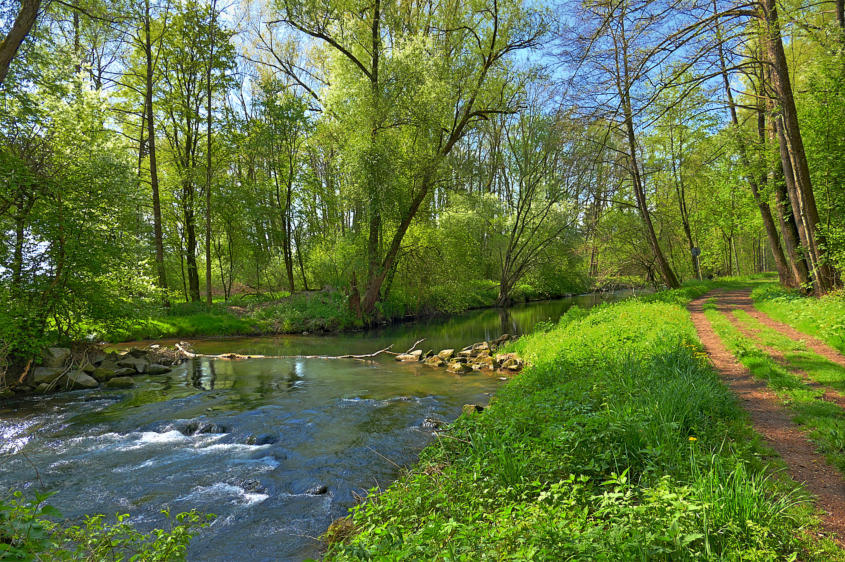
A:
[253, 441]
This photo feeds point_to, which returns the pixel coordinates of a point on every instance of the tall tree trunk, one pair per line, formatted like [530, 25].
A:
[623, 86]
[762, 205]
[788, 118]
[208, 158]
[24, 21]
[151, 146]
[662, 264]
[190, 240]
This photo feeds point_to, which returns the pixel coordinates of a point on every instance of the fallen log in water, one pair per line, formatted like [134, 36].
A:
[237, 356]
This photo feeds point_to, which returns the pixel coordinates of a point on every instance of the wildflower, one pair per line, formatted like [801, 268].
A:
[693, 439]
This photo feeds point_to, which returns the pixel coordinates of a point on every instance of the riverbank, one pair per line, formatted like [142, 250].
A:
[619, 442]
[312, 311]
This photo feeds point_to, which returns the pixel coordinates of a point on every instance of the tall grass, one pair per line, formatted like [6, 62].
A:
[619, 443]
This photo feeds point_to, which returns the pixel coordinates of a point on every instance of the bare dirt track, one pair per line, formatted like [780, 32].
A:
[768, 417]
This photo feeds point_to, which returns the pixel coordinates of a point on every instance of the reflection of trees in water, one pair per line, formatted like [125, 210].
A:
[202, 374]
[195, 374]
[506, 323]
[293, 376]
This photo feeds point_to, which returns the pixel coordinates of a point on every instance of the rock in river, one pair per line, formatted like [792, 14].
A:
[120, 382]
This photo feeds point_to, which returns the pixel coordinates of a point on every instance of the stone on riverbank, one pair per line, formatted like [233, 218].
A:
[79, 380]
[46, 375]
[446, 354]
[459, 368]
[55, 357]
[102, 374]
[157, 369]
[138, 363]
[120, 382]
[413, 356]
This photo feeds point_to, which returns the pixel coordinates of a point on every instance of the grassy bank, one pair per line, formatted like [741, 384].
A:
[283, 313]
[619, 443]
[821, 317]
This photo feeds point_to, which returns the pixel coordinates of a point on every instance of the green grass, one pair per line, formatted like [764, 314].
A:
[618, 443]
[817, 367]
[821, 317]
[824, 420]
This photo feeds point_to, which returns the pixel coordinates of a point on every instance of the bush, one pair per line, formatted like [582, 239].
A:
[28, 531]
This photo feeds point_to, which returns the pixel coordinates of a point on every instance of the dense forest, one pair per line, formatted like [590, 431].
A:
[407, 157]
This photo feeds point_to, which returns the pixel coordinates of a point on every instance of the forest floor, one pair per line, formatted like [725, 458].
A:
[770, 401]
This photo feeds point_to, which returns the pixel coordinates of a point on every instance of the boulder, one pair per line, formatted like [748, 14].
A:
[87, 368]
[78, 379]
[470, 409]
[467, 353]
[102, 374]
[138, 363]
[318, 490]
[502, 339]
[413, 356]
[137, 353]
[46, 374]
[96, 357]
[446, 354]
[460, 368]
[483, 346]
[435, 361]
[120, 382]
[157, 369]
[55, 357]
[125, 372]
[513, 364]
[485, 362]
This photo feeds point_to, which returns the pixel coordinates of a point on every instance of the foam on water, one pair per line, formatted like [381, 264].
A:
[222, 490]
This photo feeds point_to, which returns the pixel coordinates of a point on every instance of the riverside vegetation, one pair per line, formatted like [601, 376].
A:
[619, 442]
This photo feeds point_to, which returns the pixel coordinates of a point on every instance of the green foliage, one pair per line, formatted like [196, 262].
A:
[618, 443]
[29, 530]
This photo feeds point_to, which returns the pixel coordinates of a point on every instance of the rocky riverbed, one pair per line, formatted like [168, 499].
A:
[89, 367]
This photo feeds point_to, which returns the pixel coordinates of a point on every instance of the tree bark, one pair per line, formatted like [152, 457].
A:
[762, 205]
[623, 85]
[151, 145]
[208, 298]
[25, 20]
[190, 240]
[787, 116]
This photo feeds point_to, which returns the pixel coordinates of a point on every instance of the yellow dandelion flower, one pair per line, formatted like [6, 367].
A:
[693, 439]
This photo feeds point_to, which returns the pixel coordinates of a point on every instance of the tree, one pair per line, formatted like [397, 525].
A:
[25, 20]
[185, 59]
[620, 51]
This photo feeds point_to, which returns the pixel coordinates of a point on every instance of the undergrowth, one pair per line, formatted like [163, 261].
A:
[619, 443]
[29, 530]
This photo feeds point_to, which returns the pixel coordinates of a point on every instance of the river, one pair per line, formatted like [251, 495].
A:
[254, 441]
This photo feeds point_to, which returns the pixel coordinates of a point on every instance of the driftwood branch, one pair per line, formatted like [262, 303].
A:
[238, 356]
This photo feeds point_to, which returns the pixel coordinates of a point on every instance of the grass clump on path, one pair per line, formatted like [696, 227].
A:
[821, 317]
[620, 443]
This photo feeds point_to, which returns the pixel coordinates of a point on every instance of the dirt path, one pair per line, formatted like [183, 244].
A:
[774, 423]
[742, 300]
[828, 394]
